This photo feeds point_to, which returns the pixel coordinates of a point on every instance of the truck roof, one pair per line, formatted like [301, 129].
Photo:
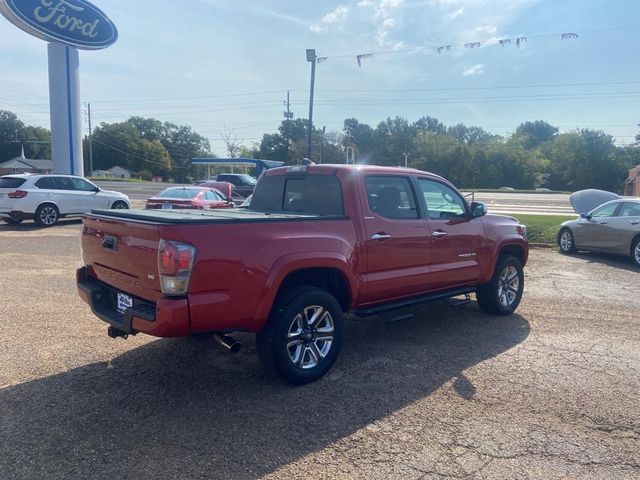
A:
[328, 169]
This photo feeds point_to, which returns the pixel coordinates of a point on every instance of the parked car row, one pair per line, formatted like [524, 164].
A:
[607, 222]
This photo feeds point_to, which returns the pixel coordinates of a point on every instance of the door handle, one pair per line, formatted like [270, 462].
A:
[439, 233]
[603, 223]
[380, 236]
[635, 222]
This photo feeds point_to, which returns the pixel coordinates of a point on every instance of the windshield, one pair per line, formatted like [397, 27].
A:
[178, 193]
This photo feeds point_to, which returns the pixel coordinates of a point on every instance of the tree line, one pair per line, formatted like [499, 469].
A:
[535, 155]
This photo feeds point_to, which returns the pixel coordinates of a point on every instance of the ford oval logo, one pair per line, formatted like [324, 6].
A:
[77, 23]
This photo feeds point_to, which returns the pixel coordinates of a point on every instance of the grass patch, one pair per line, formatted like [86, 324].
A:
[542, 228]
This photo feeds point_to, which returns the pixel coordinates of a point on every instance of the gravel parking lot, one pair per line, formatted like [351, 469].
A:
[552, 392]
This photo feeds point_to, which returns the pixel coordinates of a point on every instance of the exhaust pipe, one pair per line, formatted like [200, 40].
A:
[228, 342]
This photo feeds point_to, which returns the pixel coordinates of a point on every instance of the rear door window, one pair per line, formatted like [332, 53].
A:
[11, 182]
[45, 183]
[391, 197]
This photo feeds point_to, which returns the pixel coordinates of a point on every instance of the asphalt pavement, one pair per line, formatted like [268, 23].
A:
[550, 392]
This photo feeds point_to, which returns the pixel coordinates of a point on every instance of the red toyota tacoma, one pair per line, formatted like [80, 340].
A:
[317, 242]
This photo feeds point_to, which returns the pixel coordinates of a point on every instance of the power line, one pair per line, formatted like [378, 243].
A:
[493, 87]
[201, 97]
[518, 41]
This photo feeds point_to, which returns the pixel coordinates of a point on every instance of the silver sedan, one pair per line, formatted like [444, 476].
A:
[613, 227]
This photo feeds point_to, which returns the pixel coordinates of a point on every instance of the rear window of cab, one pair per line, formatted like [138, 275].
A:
[303, 194]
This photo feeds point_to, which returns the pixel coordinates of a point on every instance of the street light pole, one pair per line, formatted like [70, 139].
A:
[311, 57]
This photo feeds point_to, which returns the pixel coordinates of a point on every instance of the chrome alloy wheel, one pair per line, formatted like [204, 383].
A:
[566, 241]
[310, 337]
[508, 286]
[48, 215]
[636, 253]
[120, 205]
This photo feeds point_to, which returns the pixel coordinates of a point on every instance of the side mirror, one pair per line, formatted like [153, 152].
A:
[585, 215]
[96, 189]
[478, 209]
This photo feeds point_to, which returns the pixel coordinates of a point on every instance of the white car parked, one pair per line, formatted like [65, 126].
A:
[47, 198]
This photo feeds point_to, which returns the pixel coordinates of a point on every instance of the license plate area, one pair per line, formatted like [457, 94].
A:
[167, 206]
[123, 301]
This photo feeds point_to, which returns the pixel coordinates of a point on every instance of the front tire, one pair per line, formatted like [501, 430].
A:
[119, 205]
[502, 294]
[566, 241]
[47, 215]
[303, 336]
[635, 252]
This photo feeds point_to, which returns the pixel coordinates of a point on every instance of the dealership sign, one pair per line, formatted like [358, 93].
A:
[76, 23]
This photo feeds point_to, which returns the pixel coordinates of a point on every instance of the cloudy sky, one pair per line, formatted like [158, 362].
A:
[216, 64]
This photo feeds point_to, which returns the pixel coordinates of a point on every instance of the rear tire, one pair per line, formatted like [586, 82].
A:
[303, 335]
[635, 252]
[47, 215]
[502, 294]
[119, 205]
[566, 242]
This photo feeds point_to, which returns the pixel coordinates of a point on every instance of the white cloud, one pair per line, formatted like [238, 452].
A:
[385, 13]
[339, 15]
[457, 13]
[336, 17]
[475, 70]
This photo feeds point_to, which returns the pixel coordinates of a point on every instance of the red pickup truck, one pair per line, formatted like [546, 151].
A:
[317, 242]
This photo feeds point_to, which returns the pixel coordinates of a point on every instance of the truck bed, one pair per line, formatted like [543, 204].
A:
[170, 217]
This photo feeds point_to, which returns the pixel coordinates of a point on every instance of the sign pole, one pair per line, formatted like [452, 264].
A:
[64, 103]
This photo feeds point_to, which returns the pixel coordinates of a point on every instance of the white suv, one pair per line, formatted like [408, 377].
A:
[47, 198]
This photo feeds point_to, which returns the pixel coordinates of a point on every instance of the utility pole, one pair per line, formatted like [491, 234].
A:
[288, 115]
[405, 159]
[311, 57]
[324, 129]
[90, 140]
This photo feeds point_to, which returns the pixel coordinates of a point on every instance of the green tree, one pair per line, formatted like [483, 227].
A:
[14, 134]
[533, 134]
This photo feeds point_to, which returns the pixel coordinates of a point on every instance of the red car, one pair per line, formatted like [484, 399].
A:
[189, 197]
[317, 241]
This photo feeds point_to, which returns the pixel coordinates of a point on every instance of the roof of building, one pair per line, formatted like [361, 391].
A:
[116, 168]
[27, 163]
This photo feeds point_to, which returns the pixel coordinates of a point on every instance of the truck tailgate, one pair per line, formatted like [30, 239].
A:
[123, 254]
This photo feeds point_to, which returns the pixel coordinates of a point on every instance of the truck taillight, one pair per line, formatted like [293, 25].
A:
[175, 262]
[17, 194]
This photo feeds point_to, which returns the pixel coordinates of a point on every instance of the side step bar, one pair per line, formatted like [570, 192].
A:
[409, 302]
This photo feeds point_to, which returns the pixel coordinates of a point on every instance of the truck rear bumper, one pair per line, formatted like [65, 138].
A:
[164, 318]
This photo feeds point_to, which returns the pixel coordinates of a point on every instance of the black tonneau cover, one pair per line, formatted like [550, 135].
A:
[208, 216]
